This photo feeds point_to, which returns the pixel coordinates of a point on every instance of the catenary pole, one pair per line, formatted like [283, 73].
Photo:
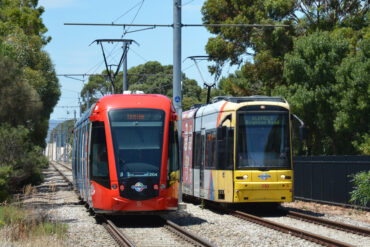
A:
[177, 95]
[124, 67]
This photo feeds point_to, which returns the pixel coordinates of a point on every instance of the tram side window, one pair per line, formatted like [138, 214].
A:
[210, 154]
[173, 151]
[79, 147]
[99, 167]
[75, 148]
[221, 151]
[230, 149]
[197, 150]
[225, 147]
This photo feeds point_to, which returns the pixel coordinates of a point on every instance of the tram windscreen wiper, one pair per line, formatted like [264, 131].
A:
[263, 169]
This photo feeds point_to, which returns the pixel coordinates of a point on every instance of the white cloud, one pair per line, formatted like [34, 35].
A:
[54, 4]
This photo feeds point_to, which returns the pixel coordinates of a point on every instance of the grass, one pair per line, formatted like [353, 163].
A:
[20, 224]
[25, 224]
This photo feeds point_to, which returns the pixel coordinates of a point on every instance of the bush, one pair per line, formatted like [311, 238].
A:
[361, 192]
[21, 162]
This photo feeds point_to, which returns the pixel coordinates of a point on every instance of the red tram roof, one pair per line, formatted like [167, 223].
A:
[116, 101]
[134, 101]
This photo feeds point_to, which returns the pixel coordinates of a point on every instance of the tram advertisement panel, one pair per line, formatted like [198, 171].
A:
[187, 126]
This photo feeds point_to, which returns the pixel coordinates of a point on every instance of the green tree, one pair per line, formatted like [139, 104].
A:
[353, 88]
[19, 102]
[239, 85]
[151, 78]
[35, 88]
[29, 90]
[267, 46]
[326, 90]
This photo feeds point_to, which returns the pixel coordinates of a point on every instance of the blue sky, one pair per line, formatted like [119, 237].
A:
[71, 53]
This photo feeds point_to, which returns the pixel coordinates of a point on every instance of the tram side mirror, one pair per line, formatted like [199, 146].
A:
[221, 132]
[302, 127]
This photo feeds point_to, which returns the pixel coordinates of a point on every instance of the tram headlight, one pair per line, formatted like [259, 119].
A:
[245, 177]
[282, 176]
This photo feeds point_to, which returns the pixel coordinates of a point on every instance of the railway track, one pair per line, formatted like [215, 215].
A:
[188, 236]
[69, 181]
[157, 231]
[188, 239]
[122, 239]
[64, 165]
[329, 223]
[296, 231]
[118, 236]
[290, 230]
[344, 205]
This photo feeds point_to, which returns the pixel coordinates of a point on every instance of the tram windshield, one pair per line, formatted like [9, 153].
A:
[137, 136]
[263, 140]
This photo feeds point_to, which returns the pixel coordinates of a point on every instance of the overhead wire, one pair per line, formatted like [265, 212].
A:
[133, 19]
[98, 65]
[187, 3]
[128, 11]
[137, 54]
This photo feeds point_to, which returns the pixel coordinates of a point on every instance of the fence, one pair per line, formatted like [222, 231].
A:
[327, 178]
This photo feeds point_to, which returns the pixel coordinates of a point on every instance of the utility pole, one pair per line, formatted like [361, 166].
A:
[177, 90]
[80, 104]
[65, 142]
[58, 143]
[124, 67]
[88, 100]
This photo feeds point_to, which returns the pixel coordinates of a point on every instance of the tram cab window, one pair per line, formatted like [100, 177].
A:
[99, 157]
[137, 136]
[263, 140]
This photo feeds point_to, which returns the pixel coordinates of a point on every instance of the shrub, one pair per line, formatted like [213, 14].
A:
[361, 192]
[21, 162]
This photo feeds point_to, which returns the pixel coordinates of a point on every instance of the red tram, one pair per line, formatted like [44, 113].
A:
[125, 155]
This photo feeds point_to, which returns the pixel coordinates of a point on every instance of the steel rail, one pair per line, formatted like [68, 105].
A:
[117, 235]
[192, 238]
[62, 174]
[344, 205]
[69, 168]
[329, 223]
[290, 230]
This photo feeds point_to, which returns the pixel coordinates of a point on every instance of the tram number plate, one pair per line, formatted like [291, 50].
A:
[265, 186]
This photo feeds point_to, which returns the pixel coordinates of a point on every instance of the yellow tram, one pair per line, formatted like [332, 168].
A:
[238, 150]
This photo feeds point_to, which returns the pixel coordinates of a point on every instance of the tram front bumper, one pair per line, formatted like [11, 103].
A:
[263, 192]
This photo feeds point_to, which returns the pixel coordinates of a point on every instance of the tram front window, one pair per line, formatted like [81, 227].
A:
[137, 136]
[263, 140]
